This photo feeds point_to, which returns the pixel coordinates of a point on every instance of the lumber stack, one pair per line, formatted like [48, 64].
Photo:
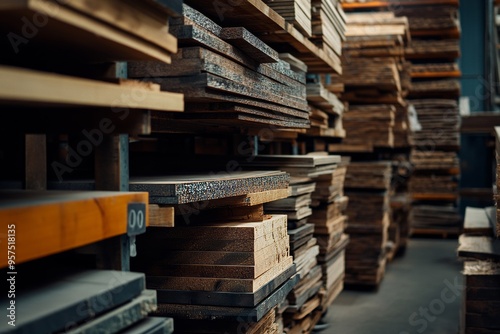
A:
[376, 79]
[327, 111]
[435, 32]
[328, 25]
[330, 220]
[121, 302]
[228, 76]
[296, 12]
[315, 236]
[97, 34]
[367, 186]
[225, 262]
[480, 250]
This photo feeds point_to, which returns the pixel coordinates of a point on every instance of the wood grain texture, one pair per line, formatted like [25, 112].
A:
[100, 40]
[25, 87]
[51, 222]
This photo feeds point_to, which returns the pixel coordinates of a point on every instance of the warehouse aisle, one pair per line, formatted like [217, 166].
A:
[421, 293]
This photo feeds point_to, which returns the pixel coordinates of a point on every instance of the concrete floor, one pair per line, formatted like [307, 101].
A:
[421, 293]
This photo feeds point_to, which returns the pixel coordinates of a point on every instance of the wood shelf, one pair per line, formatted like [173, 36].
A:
[272, 28]
[105, 31]
[49, 222]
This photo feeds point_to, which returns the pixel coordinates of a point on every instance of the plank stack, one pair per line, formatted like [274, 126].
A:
[225, 262]
[376, 79]
[330, 220]
[98, 34]
[34, 219]
[228, 76]
[328, 25]
[435, 32]
[480, 250]
[296, 12]
[367, 186]
[320, 257]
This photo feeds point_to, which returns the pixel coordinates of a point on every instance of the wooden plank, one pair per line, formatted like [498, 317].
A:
[66, 299]
[122, 317]
[186, 188]
[217, 284]
[476, 222]
[137, 19]
[161, 216]
[481, 248]
[152, 325]
[197, 312]
[54, 221]
[101, 41]
[274, 225]
[230, 299]
[268, 25]
[25, 87]
[249, 44]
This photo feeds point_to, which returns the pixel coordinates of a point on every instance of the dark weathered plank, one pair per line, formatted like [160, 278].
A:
[71, 299]
[197, 312]
[230, 299]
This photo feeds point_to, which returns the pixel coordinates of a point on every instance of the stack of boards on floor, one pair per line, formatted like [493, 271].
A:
[317, 241]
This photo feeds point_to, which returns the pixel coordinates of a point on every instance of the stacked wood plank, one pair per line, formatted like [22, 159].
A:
[327, 111]
[321, 277]
[109, 30]
[435, 32]
[97, 33]
[227, 261]
[273, 29]
[367, 186]
[328, 25]
[329, 219]
[376, 79]
[228, 77]
[481, 253]
[121, 301]
[296, 12]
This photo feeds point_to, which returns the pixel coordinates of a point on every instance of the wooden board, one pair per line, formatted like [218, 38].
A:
[122, 317]
[196, 312]
[230, 299]
[476, 222]
[49, 222]
[268, 25]
[66, 300]
[24, 87]
[185, 189]
[249, 44]
[161, 216]
[480, 248]
[152, 325]
[100, 41]
[217, 284]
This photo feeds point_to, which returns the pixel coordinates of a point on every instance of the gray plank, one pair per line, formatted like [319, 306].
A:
[71, 299]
